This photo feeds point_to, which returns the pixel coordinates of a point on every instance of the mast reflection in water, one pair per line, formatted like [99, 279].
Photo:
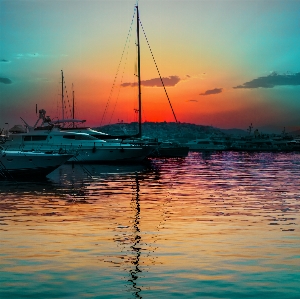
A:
[223, 225]
[136, 239]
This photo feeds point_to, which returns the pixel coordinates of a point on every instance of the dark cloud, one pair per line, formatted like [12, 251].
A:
[5, 81]
[192, 101]
[156, 82]
[4, 60]
[211, 91]
[272, 80]
[128, 84]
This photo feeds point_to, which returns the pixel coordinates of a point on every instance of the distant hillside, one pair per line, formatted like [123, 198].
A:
[162, 130]
[181, 132]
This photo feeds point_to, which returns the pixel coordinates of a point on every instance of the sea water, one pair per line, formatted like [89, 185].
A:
[211, 225]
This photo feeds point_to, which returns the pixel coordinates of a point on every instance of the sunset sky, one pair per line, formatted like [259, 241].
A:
[225, 63]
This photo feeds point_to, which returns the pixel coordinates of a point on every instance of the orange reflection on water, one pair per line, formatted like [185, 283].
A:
[221, 217]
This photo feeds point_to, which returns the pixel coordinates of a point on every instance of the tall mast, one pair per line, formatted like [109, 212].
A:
[139, 71]
[62, 95]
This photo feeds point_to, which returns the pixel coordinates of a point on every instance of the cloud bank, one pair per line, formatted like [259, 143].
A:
[5, 81]
[156, 82]
[211, 91]
[272, 80]
[37, 55]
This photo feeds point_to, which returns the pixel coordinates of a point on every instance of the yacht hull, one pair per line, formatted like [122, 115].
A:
[27, 164]
[112, 155]
[87, 149]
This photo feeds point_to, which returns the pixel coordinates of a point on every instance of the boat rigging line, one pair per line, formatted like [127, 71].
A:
[138, 66]
[63, 101]
[121, 82]
[162, 82]
[118, 68]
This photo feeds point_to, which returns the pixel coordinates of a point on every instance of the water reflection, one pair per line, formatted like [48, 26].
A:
[136, 248]
[80, 183]
[223, 226]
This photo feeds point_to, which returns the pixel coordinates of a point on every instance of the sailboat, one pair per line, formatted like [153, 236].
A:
[162, 149]
[91, 146]
[158, 149]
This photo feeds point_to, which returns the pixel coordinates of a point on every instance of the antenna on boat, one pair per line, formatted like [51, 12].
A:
[73, 111]
[139, 71]
[250, 128]
[62, 94]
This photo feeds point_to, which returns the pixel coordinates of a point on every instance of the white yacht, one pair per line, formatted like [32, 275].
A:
[208, 143]
[88, 149]
[50, 137]
[258, 142]
[253, 145]
[26, 164]
[170, 149]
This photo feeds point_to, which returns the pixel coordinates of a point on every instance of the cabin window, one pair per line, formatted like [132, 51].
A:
[69, 136]
[203, 142]
[35, 138]
[39, 137]
[80, 137]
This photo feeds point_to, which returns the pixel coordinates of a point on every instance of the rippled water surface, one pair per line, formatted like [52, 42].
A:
[219, 225]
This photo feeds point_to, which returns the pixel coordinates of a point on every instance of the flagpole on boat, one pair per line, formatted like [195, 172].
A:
[139, 72]
[73, 104]
[62, 95]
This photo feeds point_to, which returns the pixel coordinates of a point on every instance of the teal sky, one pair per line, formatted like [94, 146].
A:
[226, 63]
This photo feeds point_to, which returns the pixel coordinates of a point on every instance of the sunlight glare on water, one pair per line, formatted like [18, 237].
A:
[211, 225]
